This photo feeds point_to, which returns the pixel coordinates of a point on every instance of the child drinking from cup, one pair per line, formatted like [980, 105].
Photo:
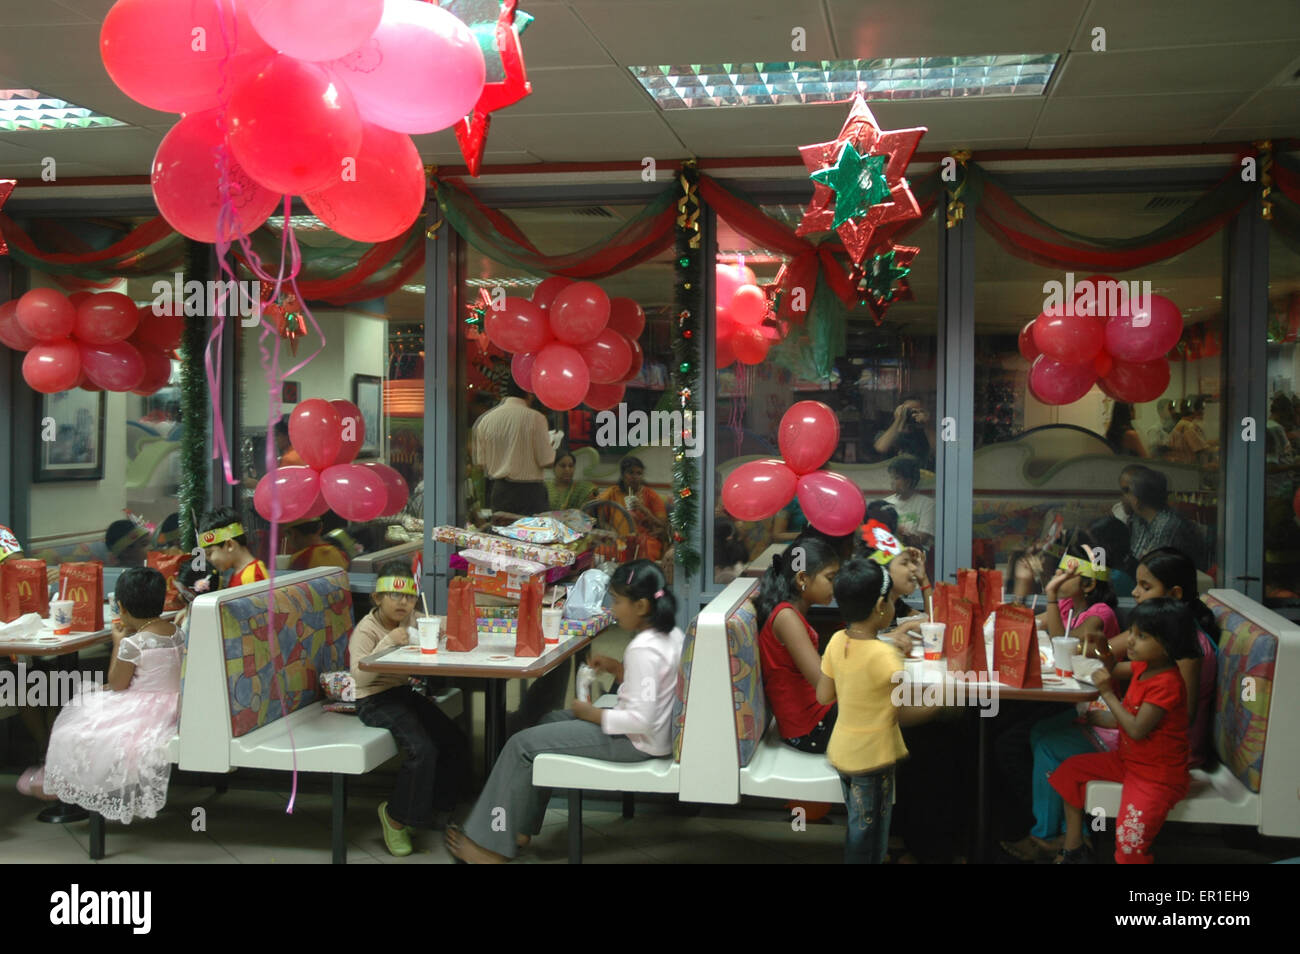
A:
[225, 546]
[1082, 585]
[511, 808]
[436, 765]
[1152, 758]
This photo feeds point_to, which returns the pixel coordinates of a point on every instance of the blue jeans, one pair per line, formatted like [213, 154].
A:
[1052, 741]
[870, 801]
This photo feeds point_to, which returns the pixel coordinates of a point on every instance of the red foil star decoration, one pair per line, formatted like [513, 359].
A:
[287, 319]
[883, 280]
[6, 189]
[868, 139]
[471, 132]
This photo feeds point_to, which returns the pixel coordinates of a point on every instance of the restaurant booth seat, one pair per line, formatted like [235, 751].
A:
[1256, 781]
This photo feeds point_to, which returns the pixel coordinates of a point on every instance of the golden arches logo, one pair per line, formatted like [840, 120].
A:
[958, 638]
[25, 589]
[1009, 641]
[78, 594]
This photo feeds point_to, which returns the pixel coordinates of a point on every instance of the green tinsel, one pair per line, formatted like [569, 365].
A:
[686, 331]
[193, 491]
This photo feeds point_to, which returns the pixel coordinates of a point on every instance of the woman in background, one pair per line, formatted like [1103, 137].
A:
[646, 507]
[1121, 435]
[562, 491]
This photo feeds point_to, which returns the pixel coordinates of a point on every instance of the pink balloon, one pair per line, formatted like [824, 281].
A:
[1028, 350]
[602, 397]
[13, 334]
[749, 345]
[395, 485]
[608, 357]
[1093, 296]
[354, 492]
[386, 195]
[725, 354]
[300, 28]
[53, 366]
[159, 332]
[287, 493]
[315, 432]
[420, 72]
[518, 326]
[319, 507]
[560, 378]
[293, 125]
[114, 367]
[1055, 383]
[1144, 334]
[46, 314]
[808, 435]
[1137, 382]
[579, 312]
[352, 431]
[832, 503]
[187, 184]
[638, 358]
[1069, 339]
[758, 489]
[544, 294]
[105, 318]
[748, 306]
[157, 372]
[521, 368]
[172, 56]
[626, 316]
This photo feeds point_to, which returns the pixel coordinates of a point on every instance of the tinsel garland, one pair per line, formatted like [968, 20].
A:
[193, 492]
[689, 300]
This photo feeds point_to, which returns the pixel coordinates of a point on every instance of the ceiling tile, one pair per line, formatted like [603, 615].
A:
[13, 13]
[124, 151]
[1094, 140]
[1245, 67]
[591, 89]
[94, 10]
[1153, 24]
[557, 37]
[595, 137]
[43, 55]
[66, 170]
[1136, 116]
[108, 100]
[952, 27]
[1251, 133]
[1269, 107]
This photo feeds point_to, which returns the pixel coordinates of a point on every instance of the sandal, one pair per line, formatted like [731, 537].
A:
[1027, 850]
[1075, 856]
[396, 840]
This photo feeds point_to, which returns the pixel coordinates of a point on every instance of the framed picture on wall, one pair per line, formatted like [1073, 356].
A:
[70, 436]
[368, 396]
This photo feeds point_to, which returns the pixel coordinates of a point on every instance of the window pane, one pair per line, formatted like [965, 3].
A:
[1282, 433]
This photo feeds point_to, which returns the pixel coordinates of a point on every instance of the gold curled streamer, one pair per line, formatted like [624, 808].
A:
[688, 206]
[956, 207]
[1265, 147]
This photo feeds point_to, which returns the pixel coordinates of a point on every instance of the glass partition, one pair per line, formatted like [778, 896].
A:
[1282, 431]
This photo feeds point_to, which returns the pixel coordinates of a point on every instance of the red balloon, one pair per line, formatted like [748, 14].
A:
[602, 397]
[560, 378]
[728, 278]
[808, 435]
[318, 508]
[638, 358]
[1138, 382]
[292, 125]
[544, 294]
[352, 431]
[518, 326]
[758, 489]
[105, 318]
[521, 368]
[1028, 350]
[51, 367]
[114, 367]
[157, 372]
[78, 297]
[1102, 364]
[159, 332]
[315, 432]
[626, 316]
[832, 503]
[1145, 331]
[385, 196]
[298, 29]
[14, 335]
[1096, 296]
[394, 484]
[46, 314]
[749, 306]
[352, 491]
[750, 345]
[287, 493]
[579, 313]
[725, 353]
[1055, 383]
[608, 357]
[1069, 339]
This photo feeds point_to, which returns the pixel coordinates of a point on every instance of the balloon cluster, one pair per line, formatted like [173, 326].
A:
[1077, 345]
[327, 435]
[281, 97]
[572, 344]
[808, 436]
[741, 308]
[95, 342]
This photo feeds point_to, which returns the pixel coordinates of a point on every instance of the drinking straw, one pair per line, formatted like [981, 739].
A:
[1069, 621]
[932, 606]
[424, 602]
[1033, 607]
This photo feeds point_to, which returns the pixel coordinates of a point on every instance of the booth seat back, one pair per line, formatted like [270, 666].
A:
[229, 686]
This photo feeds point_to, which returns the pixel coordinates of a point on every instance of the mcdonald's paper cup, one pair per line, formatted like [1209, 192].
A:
[1064, 647]
[551, 624]
[114, 610]
[61, 616]
[932, 640]
[430, 632]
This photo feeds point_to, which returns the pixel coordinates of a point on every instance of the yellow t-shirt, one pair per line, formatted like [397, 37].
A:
[866, 735]
[252, 573]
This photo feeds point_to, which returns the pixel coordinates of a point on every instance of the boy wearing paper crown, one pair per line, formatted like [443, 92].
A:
[436, 767]
[309, 548]
[221, 536]
[127, 542]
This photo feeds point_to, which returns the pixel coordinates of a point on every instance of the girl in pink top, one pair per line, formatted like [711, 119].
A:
[1081, 584]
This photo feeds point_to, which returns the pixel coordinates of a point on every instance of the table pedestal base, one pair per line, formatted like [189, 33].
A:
[61, 813]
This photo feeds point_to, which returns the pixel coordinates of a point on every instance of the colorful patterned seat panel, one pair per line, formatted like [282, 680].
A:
[683, 681]
[1247, 659]
[313, 620]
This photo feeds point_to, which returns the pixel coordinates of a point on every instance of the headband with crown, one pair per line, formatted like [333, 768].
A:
[210, 538]
[1088, 568]
[128, 539]
[401, 585]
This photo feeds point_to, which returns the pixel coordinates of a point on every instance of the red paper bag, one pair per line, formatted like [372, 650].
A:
[528, 634]
[968, 586]
[169, 565]
[1015, 647]
[959, 635]
[990, 589]
[83, 583]
[462, 616]
[24, 588]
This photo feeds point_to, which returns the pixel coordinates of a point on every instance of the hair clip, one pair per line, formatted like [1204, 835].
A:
[629, 577]
[659, 594]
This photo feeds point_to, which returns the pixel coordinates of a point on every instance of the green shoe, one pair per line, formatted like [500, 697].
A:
[398, 840]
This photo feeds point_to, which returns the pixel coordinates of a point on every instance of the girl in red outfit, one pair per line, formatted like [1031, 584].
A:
[1153, 723]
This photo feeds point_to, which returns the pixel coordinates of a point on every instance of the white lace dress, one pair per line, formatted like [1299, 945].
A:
[107, 749]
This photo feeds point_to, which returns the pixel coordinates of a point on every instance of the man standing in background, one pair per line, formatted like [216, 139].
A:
[512, 445]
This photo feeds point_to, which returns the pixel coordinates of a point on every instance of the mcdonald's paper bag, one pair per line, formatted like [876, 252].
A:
[528, 634]
[968, 586]
[958, 644]
[990, 590]
[169, 565]
[1015, 647]
[24, 588]
[83, 583]
[462, 616]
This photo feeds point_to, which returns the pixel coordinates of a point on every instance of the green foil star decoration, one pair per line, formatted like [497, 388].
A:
[883, 280]
[858, 181]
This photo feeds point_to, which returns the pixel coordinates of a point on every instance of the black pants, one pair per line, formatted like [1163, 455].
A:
[816, 740]
[524, 498]
[436, 770]
[935, 789]
[1013, 760]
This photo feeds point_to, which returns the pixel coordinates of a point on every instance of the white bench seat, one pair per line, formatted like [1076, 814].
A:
[321, 742]
[1216, 797]
[653, 776]
[779, 771]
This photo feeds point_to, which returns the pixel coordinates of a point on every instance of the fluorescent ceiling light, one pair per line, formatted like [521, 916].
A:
[825, 81]
[525, 281]
[300, 223]
[28, 109]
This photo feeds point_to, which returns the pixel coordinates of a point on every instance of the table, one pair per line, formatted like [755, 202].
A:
[493, 660]
[764, 560]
